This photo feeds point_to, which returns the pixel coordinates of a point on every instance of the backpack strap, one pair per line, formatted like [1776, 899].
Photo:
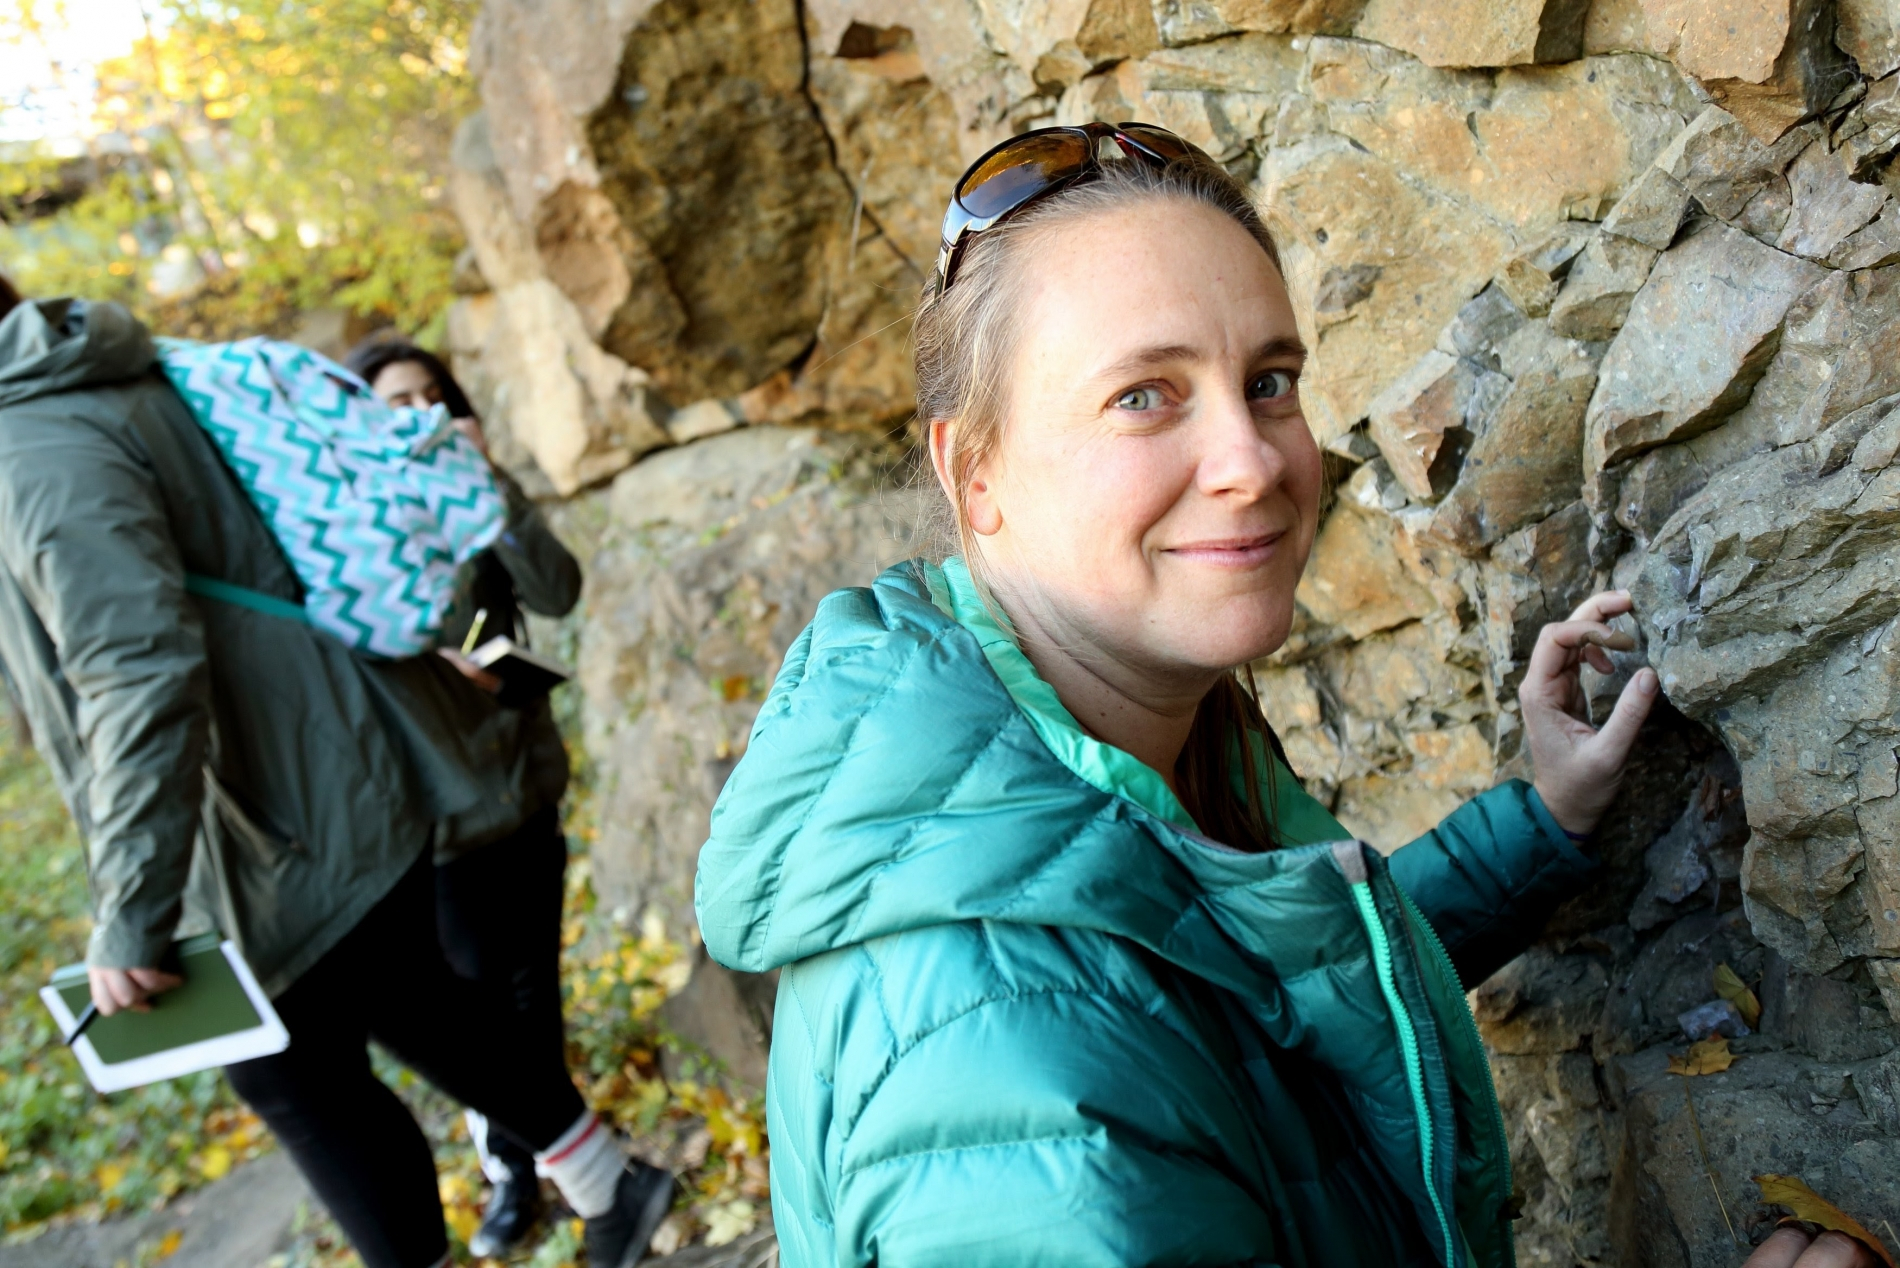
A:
[241, 596]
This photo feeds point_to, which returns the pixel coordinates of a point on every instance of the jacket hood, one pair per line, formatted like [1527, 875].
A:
[58, 345]
[893, 782]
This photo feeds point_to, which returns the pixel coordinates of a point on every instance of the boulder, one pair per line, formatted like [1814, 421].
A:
[1478, 32]
[1595, 299]
[1869, 32]
[1359, 582]
[1422, 421]
[1829, 206]
[1651, 212]
[713, 556]
[1771, 63]
[1699, 334]
[1527, 458]
[1768, 611]
[559, 412]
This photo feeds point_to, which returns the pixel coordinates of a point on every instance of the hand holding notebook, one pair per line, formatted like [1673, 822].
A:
[217, 1015]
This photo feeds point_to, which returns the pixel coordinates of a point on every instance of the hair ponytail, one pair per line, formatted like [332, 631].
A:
[9, 298]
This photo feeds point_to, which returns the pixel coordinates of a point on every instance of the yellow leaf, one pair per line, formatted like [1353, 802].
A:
[1711, 1056]
[215, 1162]
[463, 1221]
[109, 1174]
[1730, 987]
[1806, 1204]
[169, 1243]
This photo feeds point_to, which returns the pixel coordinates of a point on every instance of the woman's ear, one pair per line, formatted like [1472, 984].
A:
[977, 502]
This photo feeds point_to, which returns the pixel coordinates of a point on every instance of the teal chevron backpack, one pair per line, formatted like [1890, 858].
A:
[374, 507]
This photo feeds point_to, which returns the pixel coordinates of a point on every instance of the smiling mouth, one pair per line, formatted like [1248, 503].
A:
[1231, 552]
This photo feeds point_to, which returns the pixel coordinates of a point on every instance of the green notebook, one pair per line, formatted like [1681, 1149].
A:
[217, 1017]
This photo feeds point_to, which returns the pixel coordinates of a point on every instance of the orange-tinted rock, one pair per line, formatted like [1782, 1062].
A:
[1357, 581]
[1478, 32]
[1771, 63]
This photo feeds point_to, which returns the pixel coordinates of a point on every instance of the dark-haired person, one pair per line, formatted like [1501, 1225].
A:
[1074, 970]
[229, 767]
[498, 901]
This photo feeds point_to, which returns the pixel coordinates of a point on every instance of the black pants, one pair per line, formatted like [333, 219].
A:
[498, 912]
[355, 1143]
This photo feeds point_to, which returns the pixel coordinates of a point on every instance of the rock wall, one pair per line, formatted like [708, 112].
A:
[1600, 292]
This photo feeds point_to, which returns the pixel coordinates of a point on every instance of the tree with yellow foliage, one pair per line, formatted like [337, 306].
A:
[263, 158]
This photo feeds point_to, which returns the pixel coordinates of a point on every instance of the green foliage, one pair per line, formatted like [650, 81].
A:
[291, 155]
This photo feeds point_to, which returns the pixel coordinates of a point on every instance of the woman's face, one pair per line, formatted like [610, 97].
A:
[407, 385]
[1156, 489]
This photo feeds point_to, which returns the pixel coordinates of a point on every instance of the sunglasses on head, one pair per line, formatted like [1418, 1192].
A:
[1034, 165]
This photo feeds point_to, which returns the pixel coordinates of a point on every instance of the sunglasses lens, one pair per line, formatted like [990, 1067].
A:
[1019, 171]
[1159, 140]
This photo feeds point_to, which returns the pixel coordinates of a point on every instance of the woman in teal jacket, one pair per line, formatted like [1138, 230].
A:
[1074, 971]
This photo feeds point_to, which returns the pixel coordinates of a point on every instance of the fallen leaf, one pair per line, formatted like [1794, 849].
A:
[1730, 987]
[168, 1244]
[215, 1162]
[730, 1221]
[1806, 1204]
[1711, 1056]
[109, 1174]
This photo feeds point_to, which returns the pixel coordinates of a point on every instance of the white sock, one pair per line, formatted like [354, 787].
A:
[585, 1165]
[492, 1167]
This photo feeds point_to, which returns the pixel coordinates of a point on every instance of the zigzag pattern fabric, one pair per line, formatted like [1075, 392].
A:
[375, 507]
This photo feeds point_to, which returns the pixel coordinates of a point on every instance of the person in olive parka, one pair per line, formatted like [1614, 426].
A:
[235, 769]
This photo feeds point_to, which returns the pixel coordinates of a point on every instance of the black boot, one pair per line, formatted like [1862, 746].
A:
[618, 1237]
[515, 1205]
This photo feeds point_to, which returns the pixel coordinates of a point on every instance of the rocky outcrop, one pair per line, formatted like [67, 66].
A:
[1598, 293]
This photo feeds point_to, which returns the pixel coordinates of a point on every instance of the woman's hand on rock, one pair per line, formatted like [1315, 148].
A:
[1791, 1248]
[1578, 767]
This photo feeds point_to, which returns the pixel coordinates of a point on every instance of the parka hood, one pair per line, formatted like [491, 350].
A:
[893, 783]
[58, 345]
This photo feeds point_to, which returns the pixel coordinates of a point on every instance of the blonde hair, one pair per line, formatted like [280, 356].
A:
[963, 340]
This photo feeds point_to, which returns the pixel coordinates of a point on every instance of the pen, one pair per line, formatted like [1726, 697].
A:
[86, 1017]
[475, 630]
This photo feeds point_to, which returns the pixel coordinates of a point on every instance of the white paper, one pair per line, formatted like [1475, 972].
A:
[259, 1041]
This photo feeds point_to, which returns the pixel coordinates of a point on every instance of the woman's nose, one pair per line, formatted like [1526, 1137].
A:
[1234, 459]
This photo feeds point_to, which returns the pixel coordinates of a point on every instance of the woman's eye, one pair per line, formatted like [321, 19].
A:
[1270, 386]
[1136, 399]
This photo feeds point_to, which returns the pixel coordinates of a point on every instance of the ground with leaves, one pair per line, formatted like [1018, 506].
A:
[67, 1153]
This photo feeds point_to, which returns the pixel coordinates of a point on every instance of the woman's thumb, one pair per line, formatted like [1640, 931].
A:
[1618, 735]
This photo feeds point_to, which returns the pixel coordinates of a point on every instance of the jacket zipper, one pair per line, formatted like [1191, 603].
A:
[1408, 1043]
[1470, 1024]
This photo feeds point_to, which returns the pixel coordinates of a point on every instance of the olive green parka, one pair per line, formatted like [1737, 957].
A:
[225, 767]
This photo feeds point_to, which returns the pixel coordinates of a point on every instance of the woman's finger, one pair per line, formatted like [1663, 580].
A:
[1783, 1247]
[1603, 606]
[1835, 1250]
[1617, 736]
[1559, 646]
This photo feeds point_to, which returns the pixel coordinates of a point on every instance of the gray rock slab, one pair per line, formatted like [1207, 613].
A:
[237, 1222]
[1699, 336]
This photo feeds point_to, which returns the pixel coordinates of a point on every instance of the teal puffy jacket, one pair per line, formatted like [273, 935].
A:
[1029, 1015]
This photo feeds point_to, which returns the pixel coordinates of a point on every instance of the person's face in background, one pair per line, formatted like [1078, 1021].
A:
[407, 385]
